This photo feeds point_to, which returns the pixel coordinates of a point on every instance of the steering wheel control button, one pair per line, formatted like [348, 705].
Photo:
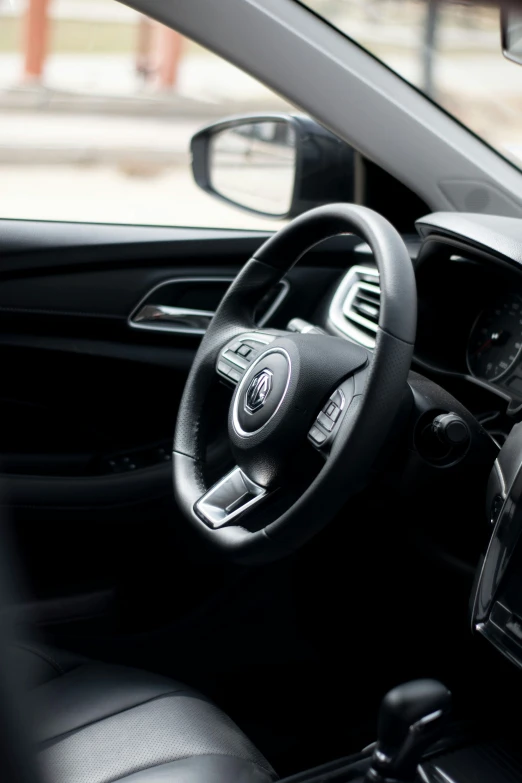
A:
[261, 392]
[234, 358]
[317, 436]
[338, 398]
[327, 419]
[325, 422]
[224, 368]
[237, 356]
[334, 415]
[332, 411]
[496, 508]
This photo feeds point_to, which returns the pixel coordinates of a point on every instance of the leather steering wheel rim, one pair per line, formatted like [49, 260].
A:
[369, 416]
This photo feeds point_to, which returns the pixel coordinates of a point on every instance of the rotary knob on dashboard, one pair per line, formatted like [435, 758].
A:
[451, 429]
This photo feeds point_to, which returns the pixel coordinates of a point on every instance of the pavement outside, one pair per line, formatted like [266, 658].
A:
[102, 148]
[94, 143]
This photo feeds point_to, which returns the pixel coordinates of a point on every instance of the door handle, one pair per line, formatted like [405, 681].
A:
[173, 319]
[189, 320]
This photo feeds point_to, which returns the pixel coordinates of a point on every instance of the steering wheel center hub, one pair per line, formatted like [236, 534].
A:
[261, 392]
[277, 400]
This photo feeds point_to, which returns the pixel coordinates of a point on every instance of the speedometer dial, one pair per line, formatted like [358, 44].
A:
[496, 339]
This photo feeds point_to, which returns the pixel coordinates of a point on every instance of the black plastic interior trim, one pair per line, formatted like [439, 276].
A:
[118, 490]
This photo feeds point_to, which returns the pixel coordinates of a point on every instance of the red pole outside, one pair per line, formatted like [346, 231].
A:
[169, 45]
[144, 48]
[36, 39]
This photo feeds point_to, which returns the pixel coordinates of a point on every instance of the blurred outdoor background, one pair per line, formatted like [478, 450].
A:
[98, 103]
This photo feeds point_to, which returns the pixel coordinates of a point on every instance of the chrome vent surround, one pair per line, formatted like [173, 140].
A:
[355, 307]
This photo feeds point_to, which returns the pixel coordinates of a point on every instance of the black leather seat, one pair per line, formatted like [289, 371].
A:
[98, 723]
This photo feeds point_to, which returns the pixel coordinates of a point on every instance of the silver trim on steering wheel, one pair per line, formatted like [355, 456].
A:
[229, 498]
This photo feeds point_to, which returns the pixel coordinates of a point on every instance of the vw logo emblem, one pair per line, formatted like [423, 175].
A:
[258, 390]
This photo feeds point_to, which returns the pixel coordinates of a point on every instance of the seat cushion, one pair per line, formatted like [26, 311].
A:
[98, 723]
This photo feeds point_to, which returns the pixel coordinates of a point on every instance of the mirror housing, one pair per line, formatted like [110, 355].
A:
[320, 166]
[511, 32]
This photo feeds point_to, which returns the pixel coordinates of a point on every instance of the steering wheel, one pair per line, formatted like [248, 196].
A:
[310, 412]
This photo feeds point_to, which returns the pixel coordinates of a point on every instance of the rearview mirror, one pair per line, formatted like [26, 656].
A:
[511, 25]
[273, 165]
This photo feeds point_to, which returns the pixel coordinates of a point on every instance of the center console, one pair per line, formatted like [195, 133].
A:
[411, 718]
[418, 744]
[490, 762]
[416, 740]
[404, 752]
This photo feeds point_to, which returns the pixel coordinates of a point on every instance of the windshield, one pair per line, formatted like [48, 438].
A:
[450, 51]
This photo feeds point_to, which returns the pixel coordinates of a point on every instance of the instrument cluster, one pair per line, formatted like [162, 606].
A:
[495, 342]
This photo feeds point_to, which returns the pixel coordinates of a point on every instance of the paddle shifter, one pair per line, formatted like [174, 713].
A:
[411, 718]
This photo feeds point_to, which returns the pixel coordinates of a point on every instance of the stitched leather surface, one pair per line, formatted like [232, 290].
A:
[368, 420]
[166, 729]
[210, 769]
[397, 280]
[78, 694]
[97, 723]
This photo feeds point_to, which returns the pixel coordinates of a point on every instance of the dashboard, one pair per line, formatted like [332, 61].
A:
[469, 333]
[468, 270]
[470, 321]
[469, 278]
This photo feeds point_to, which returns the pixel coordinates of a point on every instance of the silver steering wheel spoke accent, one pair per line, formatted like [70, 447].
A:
[238, 354]
[230, 497]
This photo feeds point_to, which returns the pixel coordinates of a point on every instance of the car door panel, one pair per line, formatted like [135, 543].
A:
[89, 403]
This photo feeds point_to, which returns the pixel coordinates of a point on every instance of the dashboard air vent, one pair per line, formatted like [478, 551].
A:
[356, 305]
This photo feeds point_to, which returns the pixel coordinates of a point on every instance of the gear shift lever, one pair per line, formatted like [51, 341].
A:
[411, 719]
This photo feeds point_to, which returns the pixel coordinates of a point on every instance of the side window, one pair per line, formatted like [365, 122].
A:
[98, 106]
